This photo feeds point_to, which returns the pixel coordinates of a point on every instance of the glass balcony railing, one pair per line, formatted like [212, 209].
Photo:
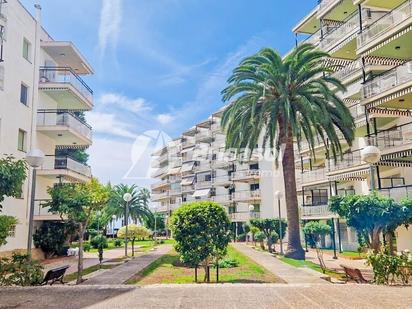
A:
[244, 216]
[67, 119]
[398, 193]
[397, 136]
[40, 210]
[65, 163]
[348, 71]
[317, 174]
[316, 211]
[349, 27]
[246, 195]
[64, 75]
[350, 159]
[385, 23]
[357, 111]
[388, 80]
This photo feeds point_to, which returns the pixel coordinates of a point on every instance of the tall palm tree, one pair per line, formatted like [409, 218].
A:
[138, 205]
[283, 101]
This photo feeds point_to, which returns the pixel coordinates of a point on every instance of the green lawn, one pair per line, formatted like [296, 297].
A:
[311, 265]
[349, 254]
[144, 245]
[169, 269]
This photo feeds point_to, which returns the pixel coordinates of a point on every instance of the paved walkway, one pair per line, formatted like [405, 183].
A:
[214, 296]
[288, 273]
[122, 273]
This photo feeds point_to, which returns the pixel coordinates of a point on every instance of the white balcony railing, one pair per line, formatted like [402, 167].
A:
[246, 195]
[318, 174]
[350, 159]
[63, 75]
[388, 80]
[246, 174]
[357, 111]
[188, 142]
[203, 184]
[348, 70]
[348, 28]
[67, 119]
[244, 216]
[159, 196]
[65, 163]
[204, 134]
[398, 193]
[316, 211]
[392, 138]
[221, 180]
[385, 23]
[222, 198]
[159, 184]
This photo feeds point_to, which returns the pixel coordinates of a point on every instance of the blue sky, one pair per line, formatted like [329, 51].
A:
[161, 64]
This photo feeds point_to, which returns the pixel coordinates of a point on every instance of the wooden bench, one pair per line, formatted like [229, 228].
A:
[55, 274]
[354, 274]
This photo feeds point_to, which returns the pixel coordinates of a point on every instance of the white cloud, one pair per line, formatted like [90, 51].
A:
[110, 21]
[136, 105]
[165, 118]
[108, 124]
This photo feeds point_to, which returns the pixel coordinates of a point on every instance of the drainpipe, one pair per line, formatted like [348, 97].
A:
[360, 18]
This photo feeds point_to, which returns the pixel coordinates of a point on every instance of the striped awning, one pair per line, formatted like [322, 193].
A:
[396, 163]
[350, 176]
[72, 146]
[382, 61]
[351, 102]
[397, 155]
[337, 63]
[390, 112]
[391, 97]
[387, 41]
[187, 181]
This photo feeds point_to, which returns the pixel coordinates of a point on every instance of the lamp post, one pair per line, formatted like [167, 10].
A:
[155, 226]
[127, 197]
[278, 196]
[251, 209]
[371, 155]
[35, 159]
[113, 218]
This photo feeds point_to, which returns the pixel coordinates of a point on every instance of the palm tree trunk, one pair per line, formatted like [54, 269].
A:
[294, 249]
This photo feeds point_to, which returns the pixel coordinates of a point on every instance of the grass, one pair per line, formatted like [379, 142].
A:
[140, 245]
[86, 271]
[349, 254]
[169, 269]
[311, 265]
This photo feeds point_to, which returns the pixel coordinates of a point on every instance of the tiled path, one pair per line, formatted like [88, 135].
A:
[288, 273]
[122, 273]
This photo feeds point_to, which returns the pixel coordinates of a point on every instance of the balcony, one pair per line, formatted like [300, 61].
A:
[42, 213]
[393, 140]
[188, 142]
[358, 113]
[316, 212]
[64, 127]
[398, 193]
[160, 184]
[223, 199]
[203, 166]
[246, 175]
[204, 136]
[159, 196]
[54, 167]
[247, 196]
[222, 180]
[390, 82]
[350, 160]
[385, 27]
[175, 192]
[243, 216]
[203, 184]
[317, 175]
[66, 88]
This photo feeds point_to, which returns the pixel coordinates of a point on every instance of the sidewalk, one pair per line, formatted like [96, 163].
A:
[120, 274]
[287, 273]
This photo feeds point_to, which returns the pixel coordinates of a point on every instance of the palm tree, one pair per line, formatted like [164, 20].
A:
[138, 205]
[282, 101]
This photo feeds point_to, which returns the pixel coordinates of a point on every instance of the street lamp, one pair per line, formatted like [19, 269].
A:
[113, 218]
[278, 196]
[371, 155]
[35, 159]
[127, 197]
[155, 227]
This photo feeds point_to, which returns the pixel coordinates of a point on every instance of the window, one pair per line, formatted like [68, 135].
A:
[24, 94]
[26, 49]
[22, 140]
[254, 187]
[254, 166]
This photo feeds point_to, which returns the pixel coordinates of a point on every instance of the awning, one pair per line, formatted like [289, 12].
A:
[390, 112]
[187, 149]
[388, 98]
[174, 171]
[201, 193]
[187, 167]
[397, 155]
[350, 176]
[398, 163]
[187, 181]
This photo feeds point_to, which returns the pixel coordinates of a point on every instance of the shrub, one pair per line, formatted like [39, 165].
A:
[50, 237]
[385, 266]
[118, 242]
[241, 237]
[267, 226]
[7, 226]
[99, 241]
[228, 263]
[260, 237]
[20, 270]
[86, 246]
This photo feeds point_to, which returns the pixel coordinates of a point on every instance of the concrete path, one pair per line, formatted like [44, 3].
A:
[120, 274]
[214, 296]
[288, 273]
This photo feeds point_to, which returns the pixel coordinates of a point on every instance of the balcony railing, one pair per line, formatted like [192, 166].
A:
[398, 193]
[201, 135]
[385, 23]
[39, 210]
[244, 216]
[65, 163]
[160, 184]
[222, 198]
[397, 136]
[67, 119]
[318, 174]
[350, 159]
[221, 180]
[357, 111]
[388, 80]
[188, 142]
[3, 9]
[246, 174]
[203, 184]
[247, 195]
[325, 5]
[63, 75]
[348, 70]
[176, 191]
[316, 211]
[343, 31]
[159, 196]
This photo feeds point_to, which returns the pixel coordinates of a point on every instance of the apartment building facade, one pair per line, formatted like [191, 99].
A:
[42, 101]
[196, 166]
[370, 42]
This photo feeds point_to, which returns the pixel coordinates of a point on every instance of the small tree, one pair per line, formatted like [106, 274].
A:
[134, 232]
[99, 242]
[314, 230]
[12, 175]
[260, 237]
[7, 226]
[51, 237]
[372, 214]
[267, 226]
[253, 231]
[202, 233]
[78, 202]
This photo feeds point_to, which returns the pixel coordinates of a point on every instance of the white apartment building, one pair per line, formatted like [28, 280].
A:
[42, 97]
[370, 42]
[196, 166]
